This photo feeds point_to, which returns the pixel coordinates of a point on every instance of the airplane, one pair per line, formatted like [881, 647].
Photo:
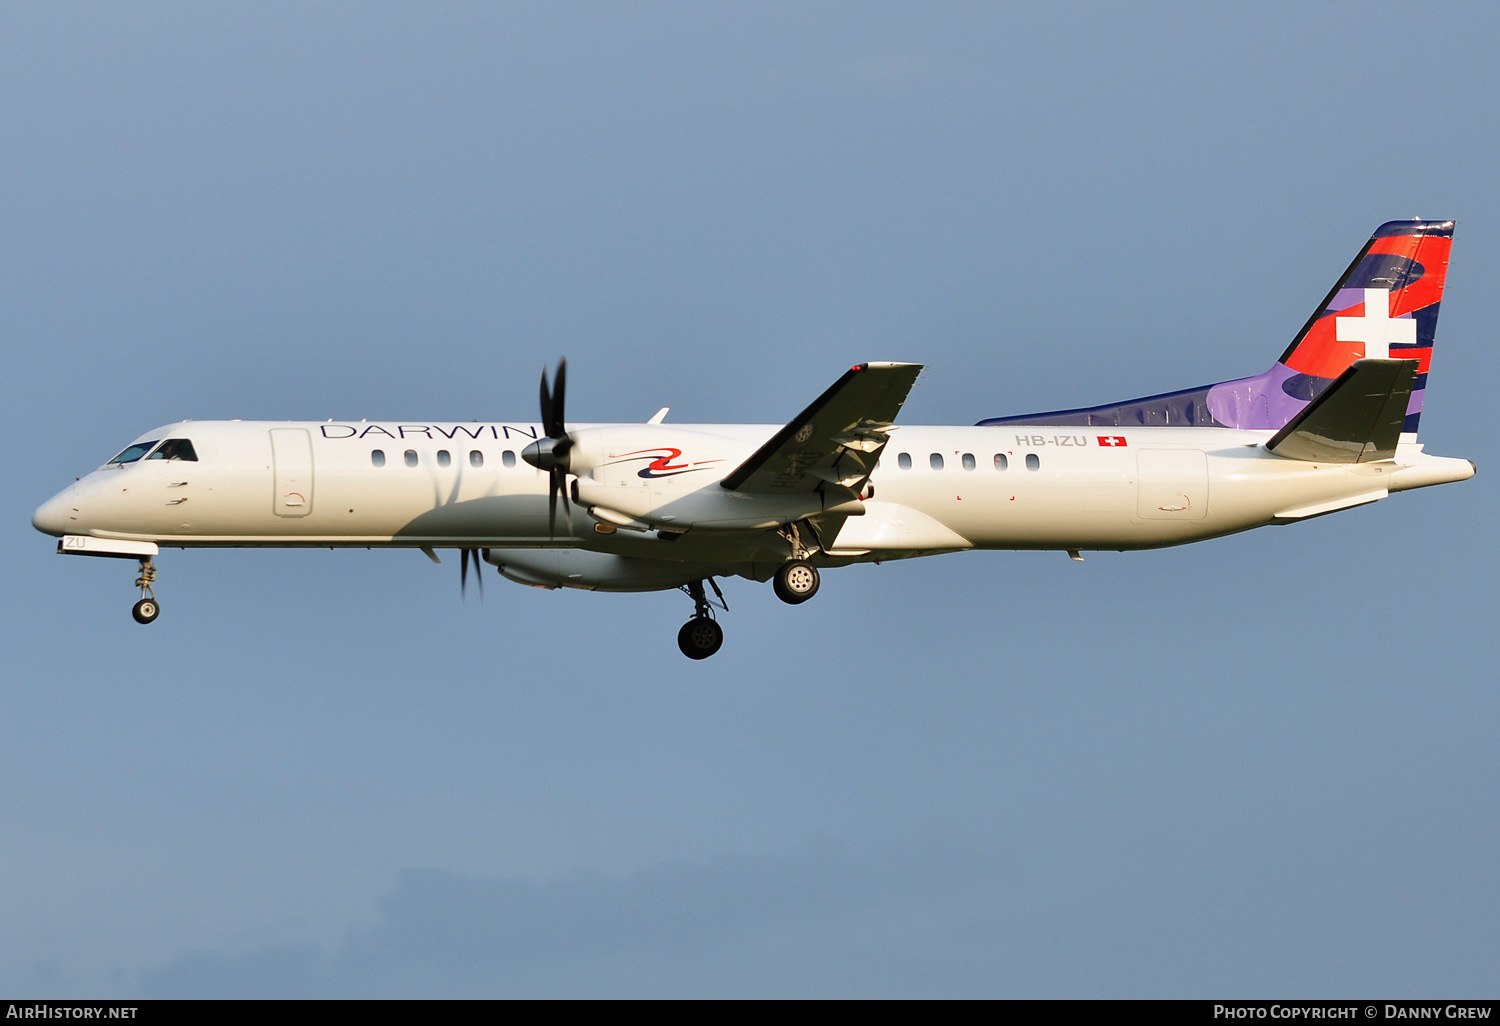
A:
[656, 506]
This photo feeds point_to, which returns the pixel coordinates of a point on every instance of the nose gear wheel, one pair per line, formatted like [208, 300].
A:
[701, 636]
[147, 609]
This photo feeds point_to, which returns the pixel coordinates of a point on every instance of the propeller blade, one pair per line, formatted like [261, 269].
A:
[554, 420]
[557, 484]
[463, 571]
[552, 456]
[558, 427]
[546, 404]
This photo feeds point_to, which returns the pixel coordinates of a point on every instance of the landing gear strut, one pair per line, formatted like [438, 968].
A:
[146, 609]
[701, 636]
[796, 582]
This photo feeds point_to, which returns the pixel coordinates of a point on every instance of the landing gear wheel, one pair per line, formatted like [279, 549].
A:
[700, 637]
[145, 610]
[796, 582]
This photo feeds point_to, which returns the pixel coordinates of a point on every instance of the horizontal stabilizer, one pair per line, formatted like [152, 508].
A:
[1357, 419]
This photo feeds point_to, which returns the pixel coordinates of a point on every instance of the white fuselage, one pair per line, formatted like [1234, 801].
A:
[937, 489]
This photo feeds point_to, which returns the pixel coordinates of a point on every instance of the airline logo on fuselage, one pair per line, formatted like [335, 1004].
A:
[472, 431]
[662, 465]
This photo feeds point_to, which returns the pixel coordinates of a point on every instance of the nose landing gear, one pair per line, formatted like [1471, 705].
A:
[701, 636]
[146, 609]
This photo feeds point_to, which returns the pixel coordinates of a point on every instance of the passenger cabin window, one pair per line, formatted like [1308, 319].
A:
[411, 457]
[1033, 461]
[443, 458]
[175, 449]
[904, 461]
[1001, 463]
[476, 458]
[508, 458]
[969, 463]
[377, 457]
[133, 453]
[936, 461]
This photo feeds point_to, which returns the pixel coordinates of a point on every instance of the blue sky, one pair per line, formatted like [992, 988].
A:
[1260, 766]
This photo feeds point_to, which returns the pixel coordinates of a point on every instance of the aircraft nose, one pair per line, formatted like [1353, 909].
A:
[55, 516]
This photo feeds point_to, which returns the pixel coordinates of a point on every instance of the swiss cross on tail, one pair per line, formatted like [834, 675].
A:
[1376, 328]
[1384, 307]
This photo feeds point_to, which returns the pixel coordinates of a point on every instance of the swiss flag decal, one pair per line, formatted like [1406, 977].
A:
[1112, 441]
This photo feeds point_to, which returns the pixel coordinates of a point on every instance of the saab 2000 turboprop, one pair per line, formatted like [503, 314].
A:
[1331, 425]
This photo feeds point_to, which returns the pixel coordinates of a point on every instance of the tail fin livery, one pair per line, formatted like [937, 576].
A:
[1385, 306]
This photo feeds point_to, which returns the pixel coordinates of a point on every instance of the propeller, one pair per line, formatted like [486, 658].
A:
[463, 571]
[552, 453]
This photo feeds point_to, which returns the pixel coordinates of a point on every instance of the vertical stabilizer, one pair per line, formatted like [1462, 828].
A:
[1383, 307]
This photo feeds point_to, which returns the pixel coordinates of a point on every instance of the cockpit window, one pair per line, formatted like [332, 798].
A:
[133, 453]
[175, 449]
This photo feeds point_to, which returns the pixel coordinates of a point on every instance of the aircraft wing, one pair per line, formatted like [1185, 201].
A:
[836, 440]
[1357, 419]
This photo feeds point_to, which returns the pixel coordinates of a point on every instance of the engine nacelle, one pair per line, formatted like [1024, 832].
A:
[649, 454]
[593, 571]
[707, 508]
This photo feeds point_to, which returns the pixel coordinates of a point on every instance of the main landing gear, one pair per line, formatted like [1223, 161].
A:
[796, 582]
[701, 636]
[146, 609]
